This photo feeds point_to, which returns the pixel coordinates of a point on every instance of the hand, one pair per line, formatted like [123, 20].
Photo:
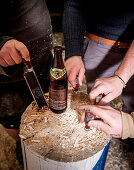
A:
[9, 53]
[110, 122]
[75, 67]
[111, 87]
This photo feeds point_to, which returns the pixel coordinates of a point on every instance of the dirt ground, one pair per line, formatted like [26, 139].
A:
[8, 160]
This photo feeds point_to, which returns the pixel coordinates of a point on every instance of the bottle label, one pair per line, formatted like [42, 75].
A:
[57, 73]
[57, 99]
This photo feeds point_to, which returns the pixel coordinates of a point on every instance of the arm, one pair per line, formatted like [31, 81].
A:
[112, 86]
[126, 69]
[74, 30]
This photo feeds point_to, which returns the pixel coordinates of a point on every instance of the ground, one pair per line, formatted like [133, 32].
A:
[8, 160]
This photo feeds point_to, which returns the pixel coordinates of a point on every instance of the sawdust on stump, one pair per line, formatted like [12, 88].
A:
[61, 137]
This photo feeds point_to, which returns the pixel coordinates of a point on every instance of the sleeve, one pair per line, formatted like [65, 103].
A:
[128, 125]
[74, 27]
[4, 39]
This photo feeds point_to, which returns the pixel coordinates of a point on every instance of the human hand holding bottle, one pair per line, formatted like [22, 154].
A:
[75, 69]
[110, 120]
[9, 53]
[111, 87]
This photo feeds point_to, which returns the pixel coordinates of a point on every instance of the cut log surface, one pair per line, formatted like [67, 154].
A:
[60, 137]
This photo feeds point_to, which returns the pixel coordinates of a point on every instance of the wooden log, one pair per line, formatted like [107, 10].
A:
[58, 141]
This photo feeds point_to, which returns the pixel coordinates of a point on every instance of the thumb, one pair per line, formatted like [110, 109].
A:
[81, 75]
[106, 99]
[23, 49]
[72, 79]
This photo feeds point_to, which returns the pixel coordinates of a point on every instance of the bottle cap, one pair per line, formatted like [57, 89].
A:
[57, 49]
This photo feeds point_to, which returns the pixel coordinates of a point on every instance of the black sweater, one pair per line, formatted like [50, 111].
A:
[106, 20]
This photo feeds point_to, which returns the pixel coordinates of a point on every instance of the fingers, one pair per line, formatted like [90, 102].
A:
[81, 75]
[100, 111]
[15, 56]
[73, 75]
[108, 129]
[9, 53]
[96, 83]
[82, 117]
[110, 121]
[100, 125]
[75, 67]
[72, 78]
[96, 91]
[71, 72]
[84, 107]
[3, 62]
[6, 59]
[23, 49]
[106, 99]
[109, 86]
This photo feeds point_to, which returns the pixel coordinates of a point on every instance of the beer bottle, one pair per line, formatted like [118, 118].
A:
[58, 83]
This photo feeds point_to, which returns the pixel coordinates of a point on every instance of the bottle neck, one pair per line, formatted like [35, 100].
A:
[58, 61]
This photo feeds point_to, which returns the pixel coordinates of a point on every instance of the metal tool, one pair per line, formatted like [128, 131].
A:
[90, 116]
[76, 88]
[33, 83]
[98, 98]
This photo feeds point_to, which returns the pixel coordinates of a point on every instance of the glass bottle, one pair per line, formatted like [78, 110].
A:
[58, 83]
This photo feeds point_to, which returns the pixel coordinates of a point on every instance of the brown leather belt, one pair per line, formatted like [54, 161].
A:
[109, 42]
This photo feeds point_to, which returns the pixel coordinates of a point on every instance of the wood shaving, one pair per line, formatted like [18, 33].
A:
[37, 141]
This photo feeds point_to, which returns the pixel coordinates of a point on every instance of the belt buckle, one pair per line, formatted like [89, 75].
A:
[118, 44]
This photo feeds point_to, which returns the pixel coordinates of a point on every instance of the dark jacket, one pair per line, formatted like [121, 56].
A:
[28, 22]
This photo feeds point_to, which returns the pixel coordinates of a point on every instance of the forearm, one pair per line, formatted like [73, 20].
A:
[73, 28]
[126, 69]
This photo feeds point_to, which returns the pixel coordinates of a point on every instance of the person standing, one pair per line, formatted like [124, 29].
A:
[108, 32]
[97, 36]
[25, 27]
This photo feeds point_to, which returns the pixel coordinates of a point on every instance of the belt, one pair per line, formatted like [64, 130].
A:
[108, 41]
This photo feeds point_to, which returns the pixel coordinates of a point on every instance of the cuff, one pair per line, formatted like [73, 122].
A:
[4, 39]
[73, 48]
[127, 125]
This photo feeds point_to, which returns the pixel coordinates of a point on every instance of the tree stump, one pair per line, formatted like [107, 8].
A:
[58, 141]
